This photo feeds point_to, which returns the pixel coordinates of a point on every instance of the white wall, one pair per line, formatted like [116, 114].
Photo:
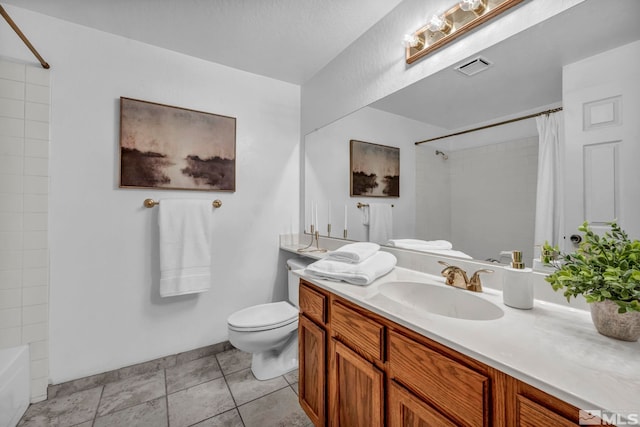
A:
[327, 170]
[374, 65]
[105, 308]
[24, 185]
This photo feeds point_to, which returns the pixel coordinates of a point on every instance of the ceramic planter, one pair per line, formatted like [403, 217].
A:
[609, 322]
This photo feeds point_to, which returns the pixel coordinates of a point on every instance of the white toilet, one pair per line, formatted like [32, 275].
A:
[270, 331]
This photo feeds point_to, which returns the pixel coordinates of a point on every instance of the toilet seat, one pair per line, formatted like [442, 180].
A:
[263, 317]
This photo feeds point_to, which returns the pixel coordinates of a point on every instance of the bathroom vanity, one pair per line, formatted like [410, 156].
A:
[369, 358]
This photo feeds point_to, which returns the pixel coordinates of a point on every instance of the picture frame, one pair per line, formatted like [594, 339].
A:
[173, 148]
[374, 170]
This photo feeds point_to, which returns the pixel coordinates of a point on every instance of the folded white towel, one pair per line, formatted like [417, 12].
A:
[363, 273]
[354, 252]
[448, 252]
[185, 246]
[420, 244]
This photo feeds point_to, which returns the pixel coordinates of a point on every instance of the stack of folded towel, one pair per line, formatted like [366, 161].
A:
[441, 247]
[420, 244]
[357, 263]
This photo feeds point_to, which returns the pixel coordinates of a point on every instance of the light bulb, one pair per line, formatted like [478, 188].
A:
[439, 23]
[411, 40]
[477, 6]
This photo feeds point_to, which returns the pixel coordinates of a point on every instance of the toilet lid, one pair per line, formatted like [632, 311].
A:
[263, 316]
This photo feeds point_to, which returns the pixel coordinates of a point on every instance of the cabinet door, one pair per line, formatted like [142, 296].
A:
[355, 390]
[406, 410]
[456, 390]
[312, 372]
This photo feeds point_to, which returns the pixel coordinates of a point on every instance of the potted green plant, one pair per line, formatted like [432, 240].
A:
[606, 271]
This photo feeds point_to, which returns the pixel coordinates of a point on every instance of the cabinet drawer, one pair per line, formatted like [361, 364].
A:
[361, 333]
[531, 414]
[313, 304]
[457, 391]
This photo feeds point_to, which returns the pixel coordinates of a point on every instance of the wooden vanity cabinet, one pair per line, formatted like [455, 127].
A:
[312, 344]
[358, 368]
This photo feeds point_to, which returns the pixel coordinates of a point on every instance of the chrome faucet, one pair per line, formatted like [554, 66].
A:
[457, 277]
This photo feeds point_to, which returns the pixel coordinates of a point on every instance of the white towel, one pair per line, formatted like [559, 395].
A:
[421, 245]
[446, 252]
[380, 222]
[185, 246]
[354, 252]
[362, 273]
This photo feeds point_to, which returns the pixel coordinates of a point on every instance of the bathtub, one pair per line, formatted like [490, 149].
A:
[14, 384]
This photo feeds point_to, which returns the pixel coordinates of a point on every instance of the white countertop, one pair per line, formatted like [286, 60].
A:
[554, 348]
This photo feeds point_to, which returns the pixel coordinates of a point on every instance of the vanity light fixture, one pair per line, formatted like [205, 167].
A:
[443, 28]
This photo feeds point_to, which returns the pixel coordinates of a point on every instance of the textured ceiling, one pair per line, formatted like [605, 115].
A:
[288, 40]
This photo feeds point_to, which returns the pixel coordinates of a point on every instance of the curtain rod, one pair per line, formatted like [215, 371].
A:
[553, 110]
[20, 34]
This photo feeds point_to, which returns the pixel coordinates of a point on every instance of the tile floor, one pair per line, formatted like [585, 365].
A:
[212, 391]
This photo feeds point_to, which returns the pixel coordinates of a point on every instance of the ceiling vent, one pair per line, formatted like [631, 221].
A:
[474, 66]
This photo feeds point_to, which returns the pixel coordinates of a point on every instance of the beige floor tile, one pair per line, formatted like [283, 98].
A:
[68, 410]
[198, 403]
[148, 414]
[234, 360]
[245, 387]
[279, 409]
[291, 377]
[132, 391]
[192, 373]
[227, 419]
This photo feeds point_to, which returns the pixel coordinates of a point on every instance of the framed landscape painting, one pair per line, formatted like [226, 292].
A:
[375, 170]
[165, 147]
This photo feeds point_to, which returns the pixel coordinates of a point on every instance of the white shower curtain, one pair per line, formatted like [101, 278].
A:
[549, 197]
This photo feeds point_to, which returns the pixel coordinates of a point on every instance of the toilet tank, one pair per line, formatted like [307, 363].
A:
[294, 281]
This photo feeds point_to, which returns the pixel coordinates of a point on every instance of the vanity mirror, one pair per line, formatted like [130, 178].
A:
[476, 190]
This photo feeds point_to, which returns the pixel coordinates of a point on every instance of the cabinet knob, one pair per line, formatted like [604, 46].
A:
[575, 238]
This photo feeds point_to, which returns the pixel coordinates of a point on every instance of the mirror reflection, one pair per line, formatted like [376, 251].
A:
[478, 190]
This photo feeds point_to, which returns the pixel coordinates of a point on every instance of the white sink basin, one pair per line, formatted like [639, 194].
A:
[440, 300]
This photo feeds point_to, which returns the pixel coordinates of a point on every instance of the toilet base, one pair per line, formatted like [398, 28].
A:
[274, 363]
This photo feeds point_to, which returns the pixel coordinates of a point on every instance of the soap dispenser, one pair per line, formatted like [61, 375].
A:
[517, 285]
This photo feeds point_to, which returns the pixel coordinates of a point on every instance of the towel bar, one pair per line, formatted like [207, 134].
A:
[362, 205]
[149, 203]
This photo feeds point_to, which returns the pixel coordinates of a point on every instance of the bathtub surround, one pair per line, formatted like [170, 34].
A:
[106, 311]
[14, 384]
[24, 189]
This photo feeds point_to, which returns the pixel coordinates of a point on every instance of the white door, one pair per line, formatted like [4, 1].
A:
[601, 97]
